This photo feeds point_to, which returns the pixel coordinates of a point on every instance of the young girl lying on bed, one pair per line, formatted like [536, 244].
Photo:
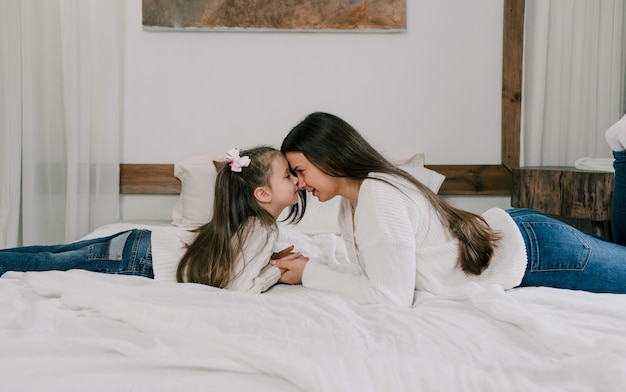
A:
[232, 251]
[405, 237]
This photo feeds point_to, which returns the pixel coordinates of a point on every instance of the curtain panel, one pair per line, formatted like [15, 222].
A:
[62, 62]
[574, 78]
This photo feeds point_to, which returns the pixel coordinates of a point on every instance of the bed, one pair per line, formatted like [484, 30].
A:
[77, 330]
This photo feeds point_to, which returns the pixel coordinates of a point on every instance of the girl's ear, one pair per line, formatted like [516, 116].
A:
[262, 195]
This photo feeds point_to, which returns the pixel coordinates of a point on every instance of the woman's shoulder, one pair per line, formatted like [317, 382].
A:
[382, 186]
[386, 180]
[389, 195]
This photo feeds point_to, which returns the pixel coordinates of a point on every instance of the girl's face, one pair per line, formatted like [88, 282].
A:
[320, 184]
[283, 186]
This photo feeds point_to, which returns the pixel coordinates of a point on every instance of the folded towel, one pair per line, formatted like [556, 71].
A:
[595, 164]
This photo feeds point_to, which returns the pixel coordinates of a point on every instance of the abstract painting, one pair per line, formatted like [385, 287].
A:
[275, 15]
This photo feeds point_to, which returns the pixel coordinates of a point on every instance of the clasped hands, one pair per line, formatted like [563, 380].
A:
[291, 265]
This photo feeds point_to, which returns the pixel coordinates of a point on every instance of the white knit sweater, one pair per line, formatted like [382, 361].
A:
[252, 271]
[399, 245]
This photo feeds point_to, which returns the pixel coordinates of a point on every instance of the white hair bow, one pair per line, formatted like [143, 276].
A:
[236, 162]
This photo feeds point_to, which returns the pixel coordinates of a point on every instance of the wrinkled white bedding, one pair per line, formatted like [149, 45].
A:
[76, 331]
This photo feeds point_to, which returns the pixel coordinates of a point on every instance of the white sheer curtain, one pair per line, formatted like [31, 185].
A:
[574, 77]
[61, 63]
[10, 124]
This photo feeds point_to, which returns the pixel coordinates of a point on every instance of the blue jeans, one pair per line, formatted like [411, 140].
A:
[125, 253]
[618, 208]
[563, 257]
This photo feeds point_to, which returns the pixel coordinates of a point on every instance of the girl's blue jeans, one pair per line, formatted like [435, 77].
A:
[126, 253]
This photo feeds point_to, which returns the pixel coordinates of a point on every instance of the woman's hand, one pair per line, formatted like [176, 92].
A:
[292, 267]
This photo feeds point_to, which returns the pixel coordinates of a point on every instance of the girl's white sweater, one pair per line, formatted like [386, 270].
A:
[252, 271]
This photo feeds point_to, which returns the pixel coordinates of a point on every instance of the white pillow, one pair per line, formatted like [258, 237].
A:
[197, 174]
[194, 206]
[415, 167]
[321, 218]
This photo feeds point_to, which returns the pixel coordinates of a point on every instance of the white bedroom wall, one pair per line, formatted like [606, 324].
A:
[435, 88]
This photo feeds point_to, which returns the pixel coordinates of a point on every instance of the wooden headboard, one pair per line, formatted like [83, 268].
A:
[460, 179]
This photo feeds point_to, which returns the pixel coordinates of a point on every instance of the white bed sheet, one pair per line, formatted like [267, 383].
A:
[69, 331]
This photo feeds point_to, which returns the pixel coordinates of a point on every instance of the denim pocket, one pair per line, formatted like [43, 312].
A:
[555, 247]
[98, 251]
[113, 249]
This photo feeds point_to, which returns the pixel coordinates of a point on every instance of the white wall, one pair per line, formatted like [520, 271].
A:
[435, 88]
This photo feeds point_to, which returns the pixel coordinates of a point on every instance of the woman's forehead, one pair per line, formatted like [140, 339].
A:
[296, 158]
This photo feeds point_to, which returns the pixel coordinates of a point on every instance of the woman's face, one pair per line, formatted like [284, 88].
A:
[320, 184]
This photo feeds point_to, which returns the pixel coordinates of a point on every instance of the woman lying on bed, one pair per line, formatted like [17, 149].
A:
[232, 251]
[405, 237]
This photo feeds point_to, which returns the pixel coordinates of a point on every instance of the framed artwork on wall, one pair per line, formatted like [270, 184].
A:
[275, 15]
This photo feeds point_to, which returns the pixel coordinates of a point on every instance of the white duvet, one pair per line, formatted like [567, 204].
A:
[77, 331]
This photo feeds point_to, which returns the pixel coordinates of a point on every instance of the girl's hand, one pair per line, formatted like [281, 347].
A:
[292, 267]
[282, 253]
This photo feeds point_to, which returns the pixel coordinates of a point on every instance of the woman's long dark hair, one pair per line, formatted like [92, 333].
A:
[338, 150]
[209, 259]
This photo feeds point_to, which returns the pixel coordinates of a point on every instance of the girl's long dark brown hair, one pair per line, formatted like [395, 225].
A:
[209, 259]
[338, 150]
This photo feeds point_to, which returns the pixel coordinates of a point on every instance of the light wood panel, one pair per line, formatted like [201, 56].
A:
[148, 179]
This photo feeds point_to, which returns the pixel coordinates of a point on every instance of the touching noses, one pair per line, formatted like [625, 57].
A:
[301, 183]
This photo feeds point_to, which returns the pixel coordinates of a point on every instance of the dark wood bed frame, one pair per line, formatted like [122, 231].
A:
[460, 179]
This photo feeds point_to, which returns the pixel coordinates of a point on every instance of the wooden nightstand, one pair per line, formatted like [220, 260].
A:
[566, 192]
